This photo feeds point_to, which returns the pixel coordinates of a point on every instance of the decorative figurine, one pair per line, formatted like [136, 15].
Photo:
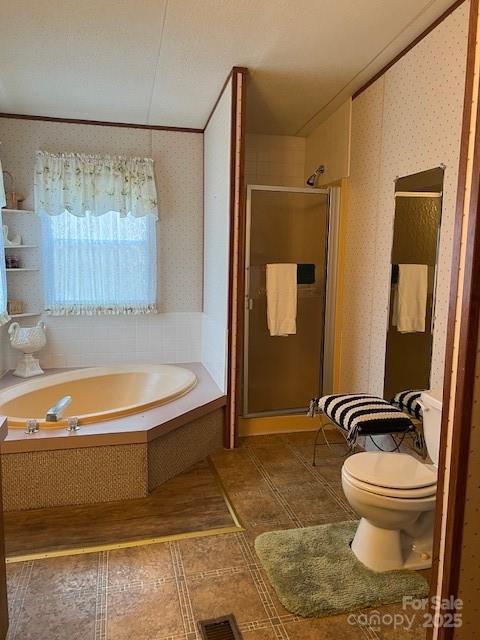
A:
[28, 340]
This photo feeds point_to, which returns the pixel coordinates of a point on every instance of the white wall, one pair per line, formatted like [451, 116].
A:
[217, 179]
[329, 144]
[174, 335]
[408, 121]
[275, 160]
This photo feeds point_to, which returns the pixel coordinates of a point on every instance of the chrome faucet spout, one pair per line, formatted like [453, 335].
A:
[55, 413]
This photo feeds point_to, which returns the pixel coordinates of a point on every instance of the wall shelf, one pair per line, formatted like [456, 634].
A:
[21, 246]
[21, 269]
[24, 315]
[17, 211]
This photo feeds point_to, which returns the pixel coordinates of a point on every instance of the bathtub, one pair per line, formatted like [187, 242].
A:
[98, 393]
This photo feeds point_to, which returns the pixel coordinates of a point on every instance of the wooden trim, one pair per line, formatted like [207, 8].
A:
[231, 269]
[458, 442]
[402, 53]
[235, 266]
[239, 329]
[464, 397]
[100, 123]
[130, 125]
[242, 70]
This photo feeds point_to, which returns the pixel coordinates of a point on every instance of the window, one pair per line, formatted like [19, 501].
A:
[99, 265]
[99, 244]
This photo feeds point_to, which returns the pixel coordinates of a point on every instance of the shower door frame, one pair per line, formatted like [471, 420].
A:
[326, 356]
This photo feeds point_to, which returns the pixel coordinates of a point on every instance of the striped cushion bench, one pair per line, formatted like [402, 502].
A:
[409, 401]
[364, 415]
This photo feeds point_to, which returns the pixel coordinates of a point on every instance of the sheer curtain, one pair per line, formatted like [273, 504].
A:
[3, 279]
[99, 247]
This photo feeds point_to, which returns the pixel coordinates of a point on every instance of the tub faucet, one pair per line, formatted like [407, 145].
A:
[55, 413]
[31, 426]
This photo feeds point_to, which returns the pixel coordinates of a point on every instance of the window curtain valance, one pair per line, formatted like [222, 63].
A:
[84, 184]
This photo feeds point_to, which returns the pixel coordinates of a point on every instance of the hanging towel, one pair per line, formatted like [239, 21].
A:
[410, 298]
[281, 299]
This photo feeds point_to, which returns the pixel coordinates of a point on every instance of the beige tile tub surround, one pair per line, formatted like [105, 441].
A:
[88, 475]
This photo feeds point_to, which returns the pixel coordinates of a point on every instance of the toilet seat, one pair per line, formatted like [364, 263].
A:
[395, 475]
[387, 492]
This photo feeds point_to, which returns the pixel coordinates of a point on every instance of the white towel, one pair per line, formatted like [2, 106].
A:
[281, 299]
[410, 298]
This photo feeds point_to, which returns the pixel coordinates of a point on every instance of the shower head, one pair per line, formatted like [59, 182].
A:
[311, 181]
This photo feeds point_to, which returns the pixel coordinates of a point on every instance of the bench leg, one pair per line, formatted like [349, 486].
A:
[321, 430]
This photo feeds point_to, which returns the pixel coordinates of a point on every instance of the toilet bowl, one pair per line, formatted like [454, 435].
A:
[394, 494]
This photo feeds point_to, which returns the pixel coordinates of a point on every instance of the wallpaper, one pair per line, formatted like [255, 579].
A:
[173, 335]
[406, 122]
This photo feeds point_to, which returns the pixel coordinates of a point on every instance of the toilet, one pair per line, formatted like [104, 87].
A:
[394, 494]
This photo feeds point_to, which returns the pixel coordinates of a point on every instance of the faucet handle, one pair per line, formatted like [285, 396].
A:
[32, 425]
[73, 424]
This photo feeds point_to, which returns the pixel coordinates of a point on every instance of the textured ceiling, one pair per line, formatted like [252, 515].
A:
[164, 61]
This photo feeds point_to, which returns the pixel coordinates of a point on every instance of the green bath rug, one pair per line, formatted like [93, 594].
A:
[315, 573]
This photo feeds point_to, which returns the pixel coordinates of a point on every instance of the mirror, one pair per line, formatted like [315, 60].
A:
[418, 208]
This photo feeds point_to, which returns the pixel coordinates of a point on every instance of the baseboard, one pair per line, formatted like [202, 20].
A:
[277, 424]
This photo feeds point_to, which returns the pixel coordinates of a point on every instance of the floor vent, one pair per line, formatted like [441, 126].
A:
[224, 628]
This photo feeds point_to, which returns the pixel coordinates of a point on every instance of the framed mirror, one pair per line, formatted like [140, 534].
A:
[411, 318]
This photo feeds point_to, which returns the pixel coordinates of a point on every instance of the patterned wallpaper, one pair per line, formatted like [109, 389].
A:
[408, 121]
[173, 335]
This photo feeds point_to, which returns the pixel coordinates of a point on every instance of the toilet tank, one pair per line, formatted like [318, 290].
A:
[432, 418]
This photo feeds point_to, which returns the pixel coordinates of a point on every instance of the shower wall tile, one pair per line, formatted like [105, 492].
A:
[173, 335]
[275, 160]
[407, 121]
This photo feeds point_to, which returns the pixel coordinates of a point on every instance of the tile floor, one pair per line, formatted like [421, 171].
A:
[158, 592]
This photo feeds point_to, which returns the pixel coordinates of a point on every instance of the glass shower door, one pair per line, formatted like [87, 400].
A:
[281, 374]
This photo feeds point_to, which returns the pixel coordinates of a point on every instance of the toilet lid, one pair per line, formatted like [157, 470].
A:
[410, 494]
[390, 470]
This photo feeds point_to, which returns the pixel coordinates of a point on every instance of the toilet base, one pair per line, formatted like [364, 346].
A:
[387, 550]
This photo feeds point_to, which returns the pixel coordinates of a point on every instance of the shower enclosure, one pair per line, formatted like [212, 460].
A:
[299, 226]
